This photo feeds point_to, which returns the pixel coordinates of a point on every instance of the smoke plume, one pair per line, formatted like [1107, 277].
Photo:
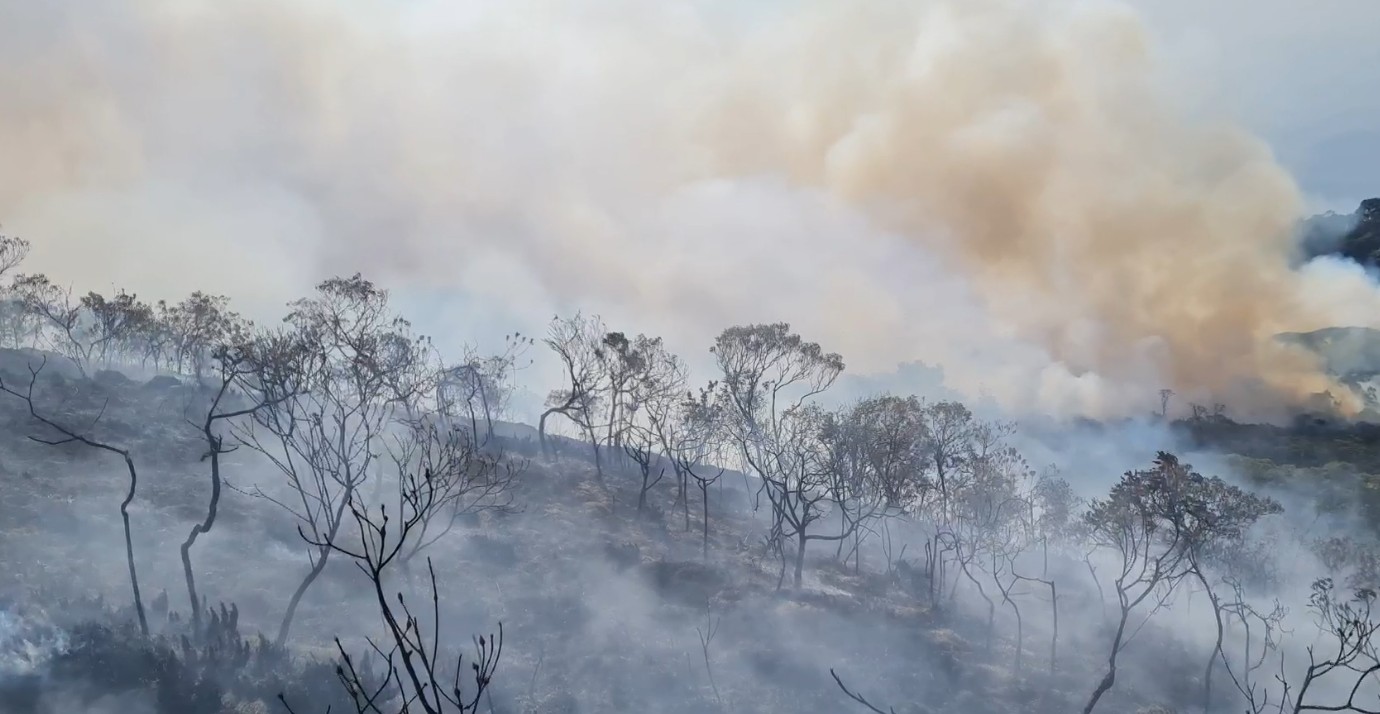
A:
[1005, 188]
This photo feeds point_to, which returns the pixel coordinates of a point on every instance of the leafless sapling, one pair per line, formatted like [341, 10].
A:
[1050, 523]
[1226, 550]
[950, 430]
[711, 628]
[267, 370]
[416, 673]
[874, 465]
[482, 385]
[576, 342]
[1346, 664]
[60, 312]
[363, 367]
[649, 384]
[622, 364]
[980, 530]
[948, 438]
[13, 251]
[693, 435]
[644, 381]
[1259, 633]
[466, 477]
[110, 323]
[860, 699]
[68, 435]
[1165, 396]
[16, 320]
[648, 462]
[156, 338]
[770, 378]
[796, 471]
[22, 328]
[199, 324]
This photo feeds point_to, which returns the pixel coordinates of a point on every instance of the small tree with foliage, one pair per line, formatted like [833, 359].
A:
[1157, 524]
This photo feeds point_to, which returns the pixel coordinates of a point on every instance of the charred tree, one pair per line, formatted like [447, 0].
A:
[69, 435]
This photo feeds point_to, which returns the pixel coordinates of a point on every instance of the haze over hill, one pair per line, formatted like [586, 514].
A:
[961, 356]
[1354, 236]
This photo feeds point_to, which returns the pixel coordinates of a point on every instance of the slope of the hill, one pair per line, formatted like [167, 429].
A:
[1345, 351]
[603, 607]
[1352, 355]
[1355, 236]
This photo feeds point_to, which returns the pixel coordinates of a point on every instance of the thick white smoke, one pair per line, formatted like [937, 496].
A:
[1002, 187]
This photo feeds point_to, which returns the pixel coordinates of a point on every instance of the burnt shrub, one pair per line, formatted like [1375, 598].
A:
[176, 671]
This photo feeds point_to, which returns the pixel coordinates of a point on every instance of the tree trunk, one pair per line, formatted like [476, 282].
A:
[943, 486]
[930, 553]
[857, 553]
[1020, 631]
[1109, 678]
[843, 535]
[613, 416]
[323, 554]
[799, 558]
[488, 412]
[197, 530]
[1217, 646]
[685, 496]
[1054, 639]
[129, 549]
[704, 495]
[541, 432]
[1102, 687]
[991, 606]
[296, 600]
[1101, 597]
[598, 458]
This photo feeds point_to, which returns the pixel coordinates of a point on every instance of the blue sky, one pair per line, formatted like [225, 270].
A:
[1302, 74]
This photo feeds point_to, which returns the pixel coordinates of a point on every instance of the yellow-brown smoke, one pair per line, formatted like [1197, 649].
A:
[681, 162]
[1034, 147]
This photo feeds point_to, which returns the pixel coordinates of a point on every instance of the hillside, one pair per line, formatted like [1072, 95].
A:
[985, 590]
[603, 606]
[1355, 236]
[1351, 353]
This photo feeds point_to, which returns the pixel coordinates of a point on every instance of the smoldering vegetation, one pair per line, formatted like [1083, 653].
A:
[329, 512]
[206, 515]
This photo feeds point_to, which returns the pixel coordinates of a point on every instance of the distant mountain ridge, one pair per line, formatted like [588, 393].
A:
[1345, 351]
[1355, 236]
[1352, 354]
